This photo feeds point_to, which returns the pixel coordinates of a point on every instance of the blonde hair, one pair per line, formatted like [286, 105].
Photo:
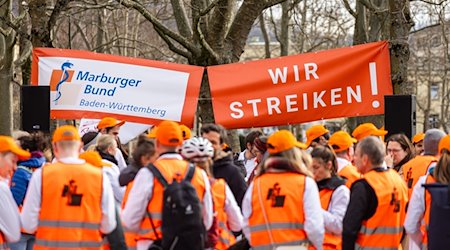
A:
[442, 170]
[298, 161]
[104, 142]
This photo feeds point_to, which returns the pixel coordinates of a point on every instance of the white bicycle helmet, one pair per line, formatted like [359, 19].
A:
[197, 147]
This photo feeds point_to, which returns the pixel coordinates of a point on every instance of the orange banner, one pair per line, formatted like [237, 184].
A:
[84, 84]
[335, 83]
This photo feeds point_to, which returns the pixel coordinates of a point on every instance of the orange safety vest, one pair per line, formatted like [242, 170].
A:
[279, 196]
[414, 169]
[130, 237]
[330, 241]
[170, 169]
[426, 215]
[3, 245]
[384, 229]
[70, 213]
[350, 173]
[226, 238]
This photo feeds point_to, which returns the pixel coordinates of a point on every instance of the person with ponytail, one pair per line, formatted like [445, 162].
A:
[420, 203]
[143, 154]
[282, 206]
[200, 152]
[334, 195]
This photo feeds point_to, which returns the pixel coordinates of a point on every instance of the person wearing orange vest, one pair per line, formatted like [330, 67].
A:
[418, 166]
[142, 155]
[342, 144]
[418, 215]
[111, 126]
[282, 206]
[115, 240]
[368, 129]
[417, 142]
[317, 135]
[69, 203]
[334, 195]
[375, 214]
[147, 192]
[200, 152]
[10, 153]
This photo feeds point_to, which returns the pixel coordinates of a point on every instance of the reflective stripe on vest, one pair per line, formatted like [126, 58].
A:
[155, 216]
[275, 226]
[384, 228]
[272, 246]
[68, 244]
[381, 230]
[68, 224]
[358, 247]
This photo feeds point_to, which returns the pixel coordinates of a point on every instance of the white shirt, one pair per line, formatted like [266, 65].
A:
[120, 160]
[342, 162]
[113, 173]
[234, 215]
[9, 213]
[141, 193]
[334, 216]
[32, 204]
[314, 222]
[415, 213]
[249, 164]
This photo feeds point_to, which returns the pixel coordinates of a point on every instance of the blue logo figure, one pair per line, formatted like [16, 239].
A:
[64, 77]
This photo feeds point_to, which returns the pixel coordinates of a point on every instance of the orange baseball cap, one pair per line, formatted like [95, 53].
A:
[169, 134]
[366, 129]
[282, 140]
[94, 158]
[7, 144]
[152, 133]
[66, 133]
[185, 131]
[109, 122]
[444, 143]
[315, 132]
[418, 138]
[341, 141]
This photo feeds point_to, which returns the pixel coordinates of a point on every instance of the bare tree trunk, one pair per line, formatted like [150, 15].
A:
[284, 32]
[262, 25]
[401, 24]
[360, 34]
[7, 41]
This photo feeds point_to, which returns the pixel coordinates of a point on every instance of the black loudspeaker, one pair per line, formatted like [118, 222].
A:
[36, 108]
[400, 115]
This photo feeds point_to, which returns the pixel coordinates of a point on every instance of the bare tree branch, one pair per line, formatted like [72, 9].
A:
[172, 47]
[205, 44]
[181, 18]
[242, 24]
[349, 8]
[262, 25]
[161, 28]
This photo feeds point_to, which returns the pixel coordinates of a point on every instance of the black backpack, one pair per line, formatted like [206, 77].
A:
[439, 227]
[182, 224]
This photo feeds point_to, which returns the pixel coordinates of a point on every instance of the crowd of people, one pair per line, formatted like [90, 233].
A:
[174, 190]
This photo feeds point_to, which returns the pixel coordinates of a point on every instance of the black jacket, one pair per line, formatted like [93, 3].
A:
[128, 174]
[225, 168]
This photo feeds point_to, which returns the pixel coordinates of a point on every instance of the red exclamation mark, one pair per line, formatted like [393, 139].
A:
[373, 82]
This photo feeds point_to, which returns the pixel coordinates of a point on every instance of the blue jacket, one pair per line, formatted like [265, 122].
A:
[22, 176]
